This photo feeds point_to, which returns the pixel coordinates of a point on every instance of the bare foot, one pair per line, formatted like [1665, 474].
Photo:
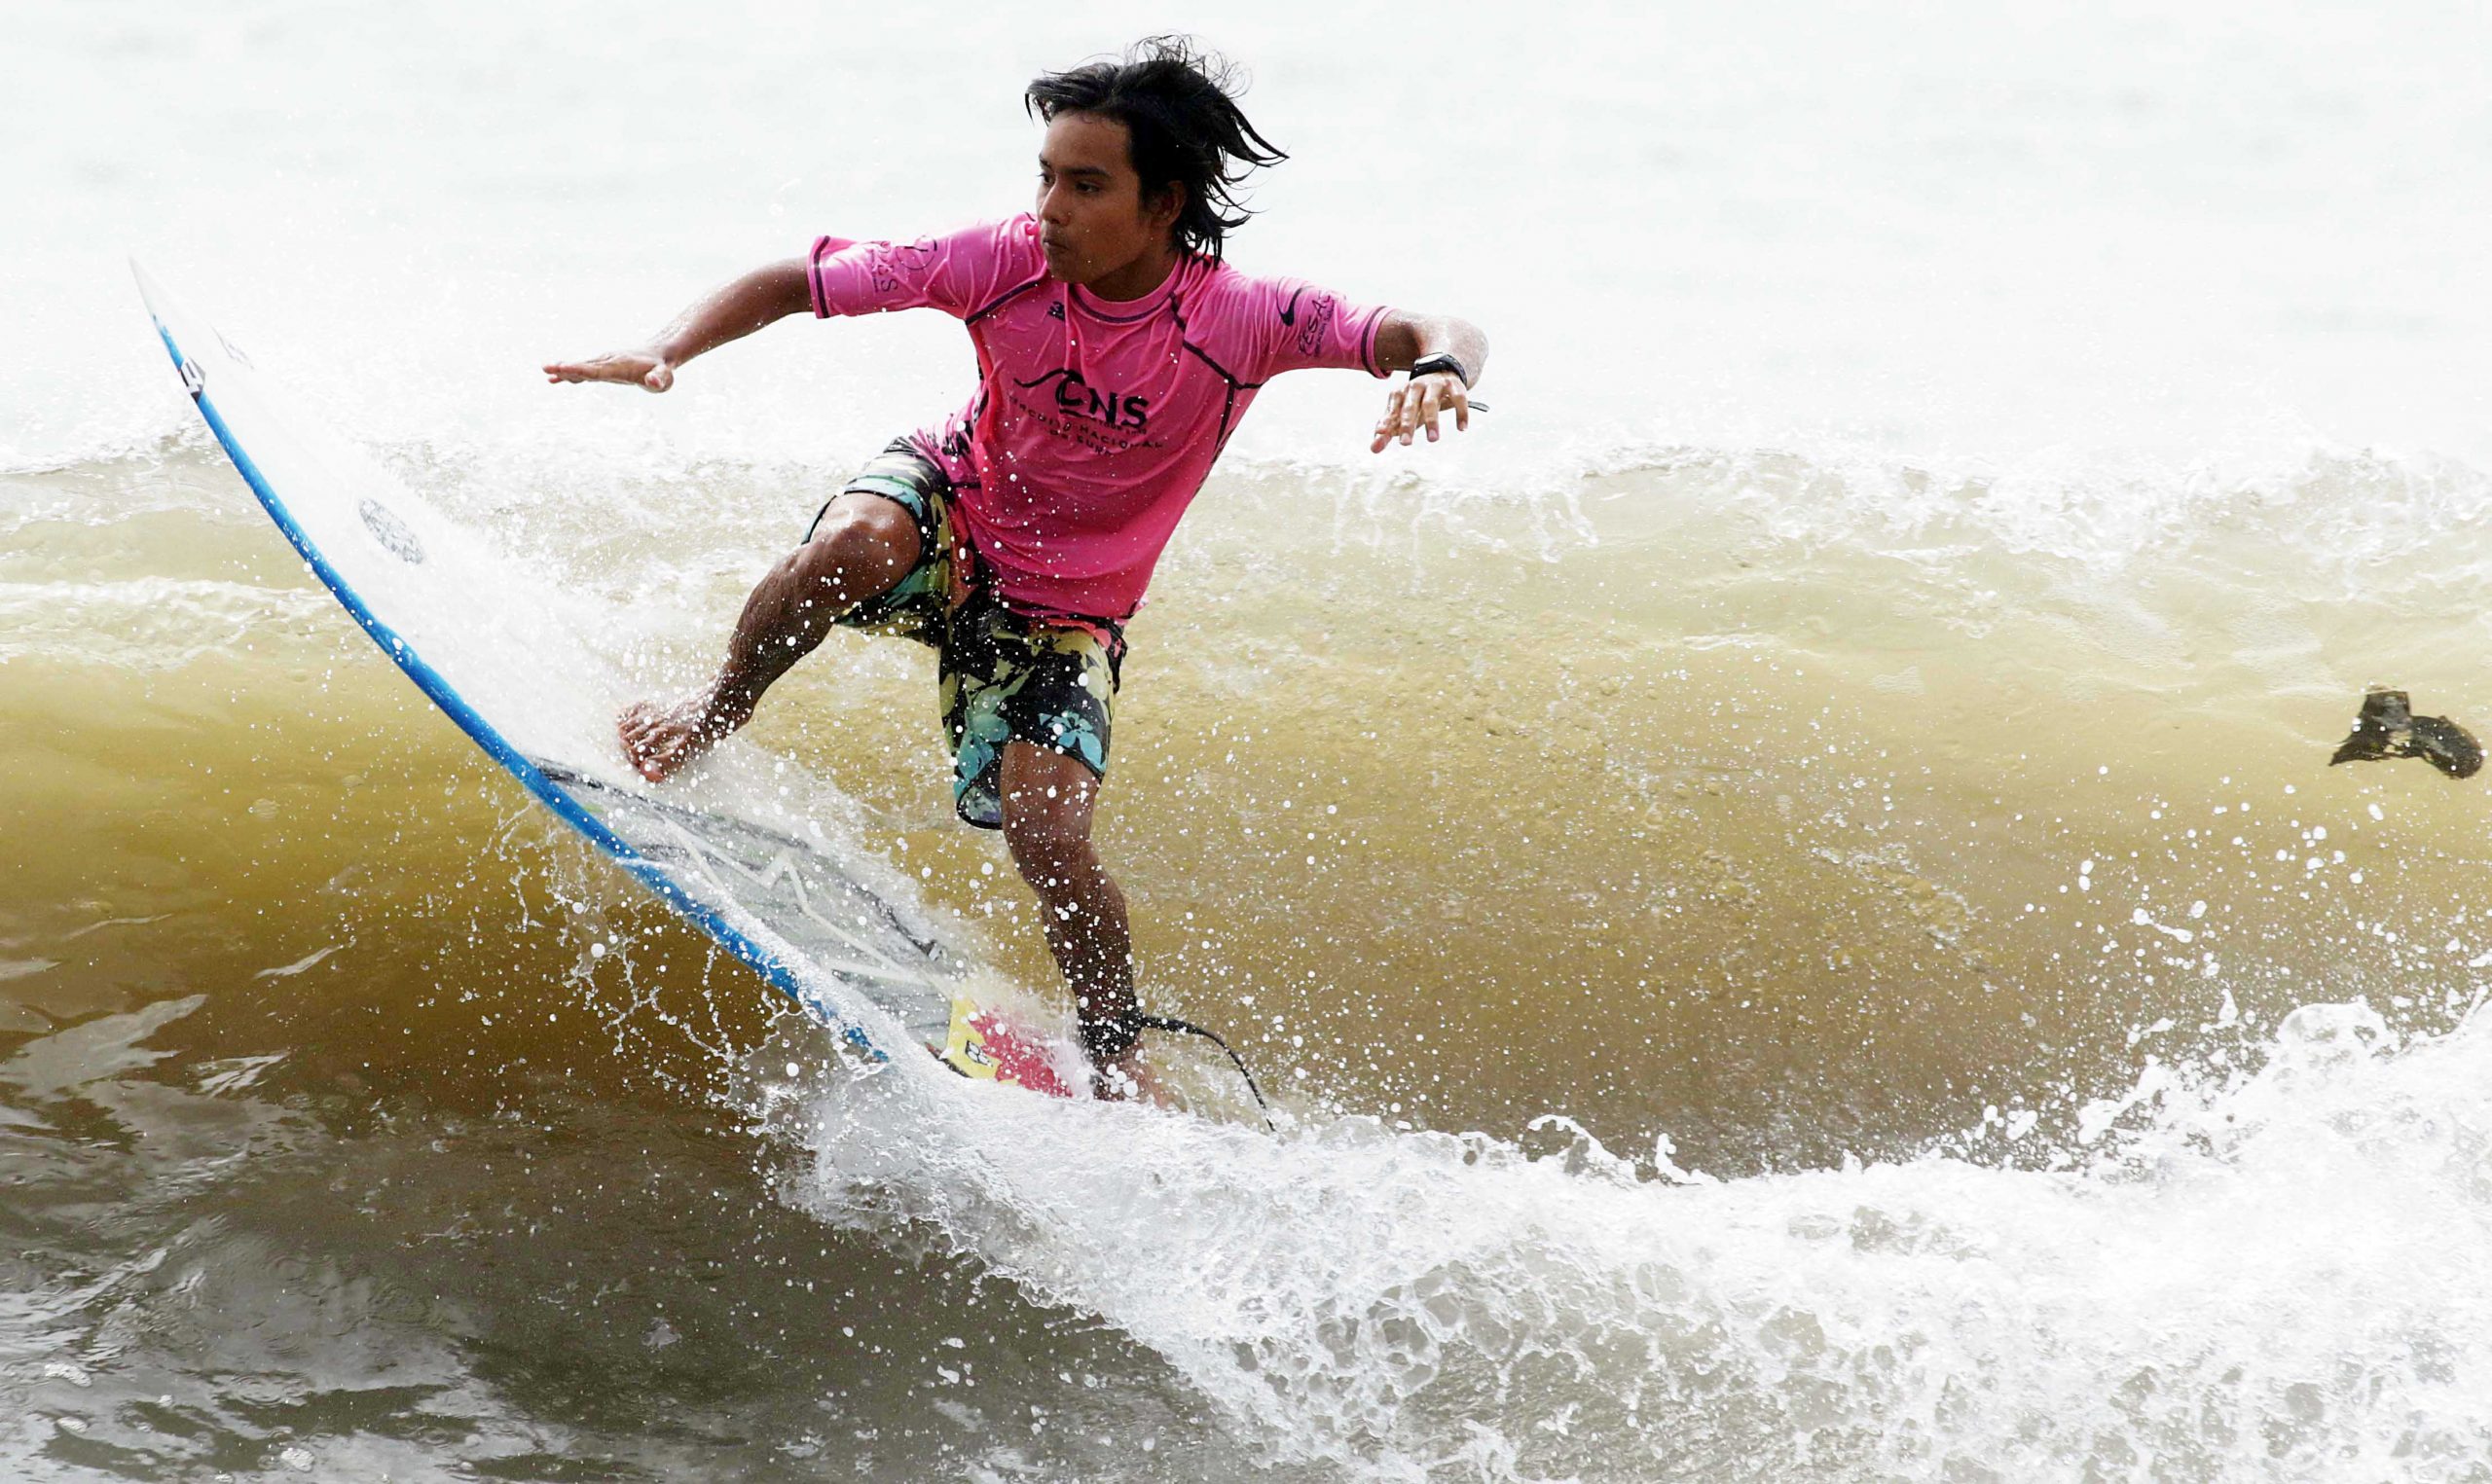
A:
[659, 740]
[1128, 1079]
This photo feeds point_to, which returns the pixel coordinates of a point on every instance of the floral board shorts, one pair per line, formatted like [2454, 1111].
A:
[1050, 681]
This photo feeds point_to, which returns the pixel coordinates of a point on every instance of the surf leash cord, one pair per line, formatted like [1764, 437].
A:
[1188, 1028]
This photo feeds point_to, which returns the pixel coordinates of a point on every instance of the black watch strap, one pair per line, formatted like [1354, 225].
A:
[1429, 365]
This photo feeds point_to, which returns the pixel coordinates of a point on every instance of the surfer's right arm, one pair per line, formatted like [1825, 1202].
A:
[768, 292]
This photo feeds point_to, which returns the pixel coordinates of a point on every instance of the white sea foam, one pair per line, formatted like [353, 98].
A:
[2020, 283]
[2284, 1275]
[2086, 232]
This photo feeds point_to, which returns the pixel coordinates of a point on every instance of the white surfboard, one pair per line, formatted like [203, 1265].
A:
[493, 651]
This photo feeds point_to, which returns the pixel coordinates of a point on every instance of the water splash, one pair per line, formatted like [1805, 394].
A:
[2281, 1276]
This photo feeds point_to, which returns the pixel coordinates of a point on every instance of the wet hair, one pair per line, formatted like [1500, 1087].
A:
[1178, 103]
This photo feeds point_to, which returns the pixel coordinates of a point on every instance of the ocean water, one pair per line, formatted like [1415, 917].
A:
[1787, 884]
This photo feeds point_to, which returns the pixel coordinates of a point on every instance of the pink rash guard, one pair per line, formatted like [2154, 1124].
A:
[1095, 421]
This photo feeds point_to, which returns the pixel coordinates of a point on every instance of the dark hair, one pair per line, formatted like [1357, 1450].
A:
[1178, 105]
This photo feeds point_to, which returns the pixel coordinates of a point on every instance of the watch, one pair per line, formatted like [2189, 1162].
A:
[1429, 365]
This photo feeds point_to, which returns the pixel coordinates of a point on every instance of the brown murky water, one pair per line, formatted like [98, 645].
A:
[356, 1121]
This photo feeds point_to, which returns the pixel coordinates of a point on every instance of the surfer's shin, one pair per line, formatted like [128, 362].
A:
[1094, 949]
[1086, 930]
[778, 628]
[793, 606]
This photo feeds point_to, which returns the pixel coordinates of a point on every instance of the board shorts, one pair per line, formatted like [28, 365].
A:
[1050, 680]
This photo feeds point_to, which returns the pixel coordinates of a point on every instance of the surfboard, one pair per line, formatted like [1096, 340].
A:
[503, 659]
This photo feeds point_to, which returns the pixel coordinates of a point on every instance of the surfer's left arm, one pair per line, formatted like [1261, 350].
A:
[1404, 341]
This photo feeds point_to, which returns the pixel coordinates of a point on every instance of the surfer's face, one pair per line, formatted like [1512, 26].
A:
[1094, 219]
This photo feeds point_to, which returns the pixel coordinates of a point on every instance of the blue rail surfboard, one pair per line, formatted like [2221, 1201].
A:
[815, 918]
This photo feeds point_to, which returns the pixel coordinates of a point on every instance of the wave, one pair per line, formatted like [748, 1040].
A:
[1718, 803]
[2296, 509]
[2282, 1274]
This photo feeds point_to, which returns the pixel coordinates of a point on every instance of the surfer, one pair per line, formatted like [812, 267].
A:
[1116, 351]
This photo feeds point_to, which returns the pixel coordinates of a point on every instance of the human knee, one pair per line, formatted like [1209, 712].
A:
[859, 549]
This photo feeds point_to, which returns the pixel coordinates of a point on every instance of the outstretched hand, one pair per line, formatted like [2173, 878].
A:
[1417, 402]
[643, 368]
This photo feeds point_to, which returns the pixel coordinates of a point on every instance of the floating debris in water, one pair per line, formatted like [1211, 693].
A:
[2389, 727]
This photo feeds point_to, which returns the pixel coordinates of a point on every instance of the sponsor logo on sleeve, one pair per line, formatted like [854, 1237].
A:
[1319, 315]
[887, 262]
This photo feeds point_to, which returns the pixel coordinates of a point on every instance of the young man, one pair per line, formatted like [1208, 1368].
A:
[1117, 352]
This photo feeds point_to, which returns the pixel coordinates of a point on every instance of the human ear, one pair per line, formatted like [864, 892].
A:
[1165, 204]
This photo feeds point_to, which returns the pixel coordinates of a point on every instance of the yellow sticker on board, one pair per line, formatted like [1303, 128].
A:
[966, 1048]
